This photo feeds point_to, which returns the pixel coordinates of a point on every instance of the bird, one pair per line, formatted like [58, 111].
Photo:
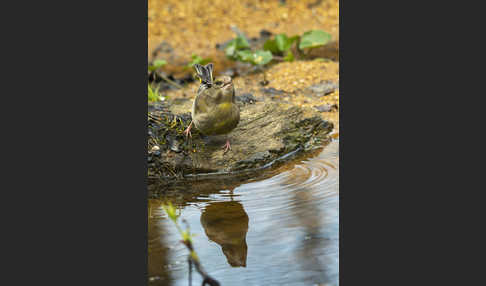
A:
[214, 110]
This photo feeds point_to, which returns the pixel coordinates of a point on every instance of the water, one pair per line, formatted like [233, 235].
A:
[282, 230]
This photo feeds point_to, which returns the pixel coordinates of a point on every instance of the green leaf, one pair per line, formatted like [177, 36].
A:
[315, 38]
[171, 211]
[241, 42]
[230, 49]
[186, 236]
[289, 57]
[152, 96]
[262, 57]
[245, 56]
[257, 58]
[198, 60]
[283, 42]
[271, 45]
[294, 38]
[235, 45]
[156, 65]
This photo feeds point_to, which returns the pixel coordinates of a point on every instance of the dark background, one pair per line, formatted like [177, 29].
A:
[74, 149]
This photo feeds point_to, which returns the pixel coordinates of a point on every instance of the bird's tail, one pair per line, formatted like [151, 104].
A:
[205, 73]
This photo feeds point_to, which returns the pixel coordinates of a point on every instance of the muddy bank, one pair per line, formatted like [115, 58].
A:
[267, 132]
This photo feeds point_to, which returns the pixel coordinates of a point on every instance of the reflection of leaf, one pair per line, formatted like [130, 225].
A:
[156, 65]
[315, 38]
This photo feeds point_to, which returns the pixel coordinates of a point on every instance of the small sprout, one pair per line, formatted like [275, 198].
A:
[153, 95]
[289, 57]
[156, 65]
[280, 44]
[171, 211]
[283, 42]
[186, 236]
[314, 38]
[198, 60]
[238, 44]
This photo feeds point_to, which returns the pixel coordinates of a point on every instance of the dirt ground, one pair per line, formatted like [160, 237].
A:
[177, 29]
[184, 27]
[292, 78]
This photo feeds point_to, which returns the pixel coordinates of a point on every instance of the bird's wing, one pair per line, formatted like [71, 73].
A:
[200, 104]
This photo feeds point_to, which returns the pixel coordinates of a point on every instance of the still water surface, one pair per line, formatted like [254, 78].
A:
[283, 230]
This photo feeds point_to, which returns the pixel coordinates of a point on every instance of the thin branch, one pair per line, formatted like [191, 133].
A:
[207, 279]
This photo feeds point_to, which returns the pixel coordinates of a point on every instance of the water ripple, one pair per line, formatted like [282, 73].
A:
[280, 230]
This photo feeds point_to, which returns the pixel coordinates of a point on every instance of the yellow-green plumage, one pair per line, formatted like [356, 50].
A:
[214, 111]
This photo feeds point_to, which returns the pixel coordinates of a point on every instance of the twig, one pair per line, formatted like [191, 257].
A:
[192, 257]
[190, 270]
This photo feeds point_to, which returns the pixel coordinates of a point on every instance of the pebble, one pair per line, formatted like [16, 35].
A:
[326, 107]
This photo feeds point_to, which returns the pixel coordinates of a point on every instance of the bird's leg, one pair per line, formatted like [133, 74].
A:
[227, 146]
[188, 130]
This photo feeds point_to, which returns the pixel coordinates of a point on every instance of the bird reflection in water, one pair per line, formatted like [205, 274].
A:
[226, 223]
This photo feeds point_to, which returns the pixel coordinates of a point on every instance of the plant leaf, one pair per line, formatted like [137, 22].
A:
[198, 60]
[245, 56]
[314, 38]
[230, 49]
[262, 57]
[289, 57]
[241, 43]
[270, 45]
[156, 65]
[152, 96]
[283, 42]
[237, 44]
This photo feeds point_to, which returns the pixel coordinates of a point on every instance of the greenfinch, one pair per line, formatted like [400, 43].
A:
[214, 111]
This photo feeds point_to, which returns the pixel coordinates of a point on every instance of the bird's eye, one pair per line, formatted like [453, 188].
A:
[218, 82]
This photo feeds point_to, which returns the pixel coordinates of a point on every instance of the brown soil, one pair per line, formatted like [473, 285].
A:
[183, 28]
[195, 27]
[291, 77]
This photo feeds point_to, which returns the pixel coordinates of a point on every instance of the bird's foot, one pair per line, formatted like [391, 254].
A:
[226, 146]
[187, 132]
